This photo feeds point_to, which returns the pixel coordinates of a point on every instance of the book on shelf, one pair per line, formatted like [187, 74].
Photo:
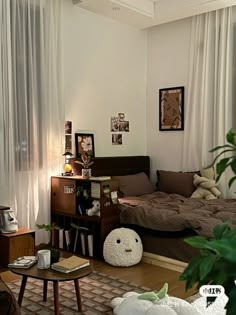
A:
[70, 264]
[23, 262]
[100, 178]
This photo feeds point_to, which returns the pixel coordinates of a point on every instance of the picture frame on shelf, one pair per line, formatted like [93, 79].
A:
[84, 144]
[171, 109]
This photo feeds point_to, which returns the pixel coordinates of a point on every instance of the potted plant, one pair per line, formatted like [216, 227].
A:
[216, 263]
[86, 163]
[55, 253]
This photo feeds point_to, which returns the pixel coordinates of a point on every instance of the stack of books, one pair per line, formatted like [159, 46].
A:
[23, 262]
[70, 264]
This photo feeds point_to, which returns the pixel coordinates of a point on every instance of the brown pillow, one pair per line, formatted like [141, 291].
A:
[134, 185]
[175, 182]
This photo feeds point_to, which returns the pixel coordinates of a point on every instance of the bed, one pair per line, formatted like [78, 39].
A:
[162, 217]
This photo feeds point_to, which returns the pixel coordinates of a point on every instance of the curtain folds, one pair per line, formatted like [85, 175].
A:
[31, 110]
[209, 114]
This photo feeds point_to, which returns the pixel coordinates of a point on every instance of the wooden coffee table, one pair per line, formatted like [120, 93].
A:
[54, 276]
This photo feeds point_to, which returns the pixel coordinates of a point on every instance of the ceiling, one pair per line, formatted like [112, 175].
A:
[147, 13]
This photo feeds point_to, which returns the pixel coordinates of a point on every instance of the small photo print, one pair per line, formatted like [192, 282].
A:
[68, 143]
[68, 127]
[117, 138]
[121, 116]
[114, 124]
[124, 126]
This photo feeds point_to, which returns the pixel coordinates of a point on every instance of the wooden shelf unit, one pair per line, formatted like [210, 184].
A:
[13, 245]
[71, 196]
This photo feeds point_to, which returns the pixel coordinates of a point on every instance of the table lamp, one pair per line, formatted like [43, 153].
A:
[67, 165]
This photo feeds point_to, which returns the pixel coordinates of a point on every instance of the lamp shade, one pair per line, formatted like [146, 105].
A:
[67, 154]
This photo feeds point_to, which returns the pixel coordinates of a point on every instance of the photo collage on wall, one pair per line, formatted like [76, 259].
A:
[68, 136]
[118, 125]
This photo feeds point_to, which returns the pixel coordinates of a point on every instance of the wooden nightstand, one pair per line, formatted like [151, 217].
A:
[13, 245]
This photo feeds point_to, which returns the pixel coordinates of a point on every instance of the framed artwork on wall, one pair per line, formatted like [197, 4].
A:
[84, 144]
[171, 109]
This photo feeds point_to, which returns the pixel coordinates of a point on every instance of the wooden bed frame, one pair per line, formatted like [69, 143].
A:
[168, 244]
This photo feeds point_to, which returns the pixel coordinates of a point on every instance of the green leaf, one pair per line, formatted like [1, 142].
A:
[233, 165]
[231, 305]
[163, 291]
[230, 137]
[149, 296]
[231, 181]
[206, 265]
[221, 147]
[198, 242]
[217, 157]
[226, 248]
[220, 230]
[191, 272]
[222, 165]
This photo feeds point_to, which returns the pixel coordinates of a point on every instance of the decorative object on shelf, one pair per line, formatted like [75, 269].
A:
[84, 144]
[171, 109]
[8, 222]
[55, 253]
[95, 210]
[122, 247]
[86, 162]
[67, 165]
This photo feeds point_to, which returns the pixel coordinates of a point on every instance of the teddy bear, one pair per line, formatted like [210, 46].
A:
[95, 210]
[206, 185]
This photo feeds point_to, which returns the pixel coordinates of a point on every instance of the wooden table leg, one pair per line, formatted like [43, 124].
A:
[22, 289]
[56, 297]
[45, 290]
[77, 291]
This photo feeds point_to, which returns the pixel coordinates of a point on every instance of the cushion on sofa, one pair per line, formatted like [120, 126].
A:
[175, 182]
[134, 185]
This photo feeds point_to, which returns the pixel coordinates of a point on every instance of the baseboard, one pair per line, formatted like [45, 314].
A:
[165, 262]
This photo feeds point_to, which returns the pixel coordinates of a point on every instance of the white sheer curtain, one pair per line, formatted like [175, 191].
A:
[208, 114]
[31, 111]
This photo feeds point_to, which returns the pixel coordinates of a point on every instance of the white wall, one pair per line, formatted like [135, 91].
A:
[168, 55]
[104, 74]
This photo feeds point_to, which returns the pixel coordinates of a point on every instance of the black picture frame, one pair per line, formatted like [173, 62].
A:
[84, 144]
[171, 109]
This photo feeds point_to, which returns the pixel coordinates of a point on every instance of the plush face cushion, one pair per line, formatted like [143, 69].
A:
[175, 182]
[134, 185]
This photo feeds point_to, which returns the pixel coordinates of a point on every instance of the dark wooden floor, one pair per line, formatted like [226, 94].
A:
[143, 274]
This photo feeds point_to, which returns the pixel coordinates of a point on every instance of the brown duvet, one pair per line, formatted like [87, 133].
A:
[172, 212]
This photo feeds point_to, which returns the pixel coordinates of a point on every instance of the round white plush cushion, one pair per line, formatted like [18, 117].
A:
[122, 247]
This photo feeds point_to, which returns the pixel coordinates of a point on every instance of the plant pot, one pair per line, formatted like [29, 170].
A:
[55, 255]
[86, 173]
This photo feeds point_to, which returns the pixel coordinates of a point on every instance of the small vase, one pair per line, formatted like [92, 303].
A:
[86, 173]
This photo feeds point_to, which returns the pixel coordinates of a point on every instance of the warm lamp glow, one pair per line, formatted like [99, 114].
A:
[67, 165]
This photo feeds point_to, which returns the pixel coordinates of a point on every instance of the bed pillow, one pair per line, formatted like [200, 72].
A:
[134, 185]
[175, 182]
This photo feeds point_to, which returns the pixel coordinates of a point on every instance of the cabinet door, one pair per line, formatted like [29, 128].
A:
[63, 195]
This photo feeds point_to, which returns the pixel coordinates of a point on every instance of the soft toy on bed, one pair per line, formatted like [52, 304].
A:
[95, 210]
[206, 185]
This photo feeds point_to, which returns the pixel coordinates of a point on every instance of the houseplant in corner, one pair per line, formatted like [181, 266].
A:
[216, 263]
[55, 253]
[86, 163]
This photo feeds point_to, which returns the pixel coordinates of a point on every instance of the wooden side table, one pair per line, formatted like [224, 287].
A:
[13, 245]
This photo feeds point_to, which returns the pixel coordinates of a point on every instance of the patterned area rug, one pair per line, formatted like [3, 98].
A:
[97, 290]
